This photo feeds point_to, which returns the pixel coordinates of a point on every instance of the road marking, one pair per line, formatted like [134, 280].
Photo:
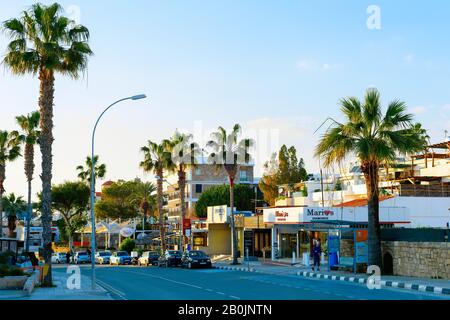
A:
[111, 289]
[178, 282]
[234, 297]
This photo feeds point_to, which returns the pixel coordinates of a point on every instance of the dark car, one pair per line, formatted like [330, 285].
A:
[172, 258]
[193, 259]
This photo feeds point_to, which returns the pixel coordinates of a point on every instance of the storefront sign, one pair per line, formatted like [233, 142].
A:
[219, 214]
[320, 214]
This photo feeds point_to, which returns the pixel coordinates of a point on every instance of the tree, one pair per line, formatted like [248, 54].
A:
[128, 245]
[229, 152]
[184, 152]
[43, 43]
[375, 138]
[71, 200]
[157, 159]
[143, 195]
[13, 206]
[220, 195]
[117, 202]
[85, 173]
[29, 125]
[282, 169]
[9, 151]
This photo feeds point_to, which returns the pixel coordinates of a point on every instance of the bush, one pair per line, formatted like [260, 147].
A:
[5, 257]
[6, 271]
[127, 245]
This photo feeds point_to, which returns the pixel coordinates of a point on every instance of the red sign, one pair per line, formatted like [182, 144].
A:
[186, 224]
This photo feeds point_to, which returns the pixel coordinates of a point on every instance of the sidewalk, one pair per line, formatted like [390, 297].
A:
[438, 286]
[61, 292]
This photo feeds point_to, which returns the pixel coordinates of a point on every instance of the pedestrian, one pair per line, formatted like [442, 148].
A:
[317, 253]
[68, 254]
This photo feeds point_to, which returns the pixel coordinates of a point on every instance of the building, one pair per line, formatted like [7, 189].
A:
[420, 183]
[199, 179]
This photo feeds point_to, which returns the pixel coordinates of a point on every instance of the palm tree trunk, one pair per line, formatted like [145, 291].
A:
[29, 170]
[11, 225]
[162, 223]
[29, 216]
[182, 185]
[234, 246]
[2, 190]
[46, 96]
[371, 176]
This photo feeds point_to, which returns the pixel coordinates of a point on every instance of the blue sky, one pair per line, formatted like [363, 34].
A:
[269, 65]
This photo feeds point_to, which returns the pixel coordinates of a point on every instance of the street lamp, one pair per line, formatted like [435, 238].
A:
[180, 243]
[134, 98]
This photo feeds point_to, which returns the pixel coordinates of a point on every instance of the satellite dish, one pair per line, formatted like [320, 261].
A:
[126, 232]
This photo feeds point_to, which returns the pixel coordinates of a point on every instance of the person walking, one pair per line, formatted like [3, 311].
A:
[317, 253]
[68, 254]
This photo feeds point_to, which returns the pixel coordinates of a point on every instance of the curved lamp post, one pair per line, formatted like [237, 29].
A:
[137, 97]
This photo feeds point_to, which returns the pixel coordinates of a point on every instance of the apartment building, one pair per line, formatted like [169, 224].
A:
[199, 179]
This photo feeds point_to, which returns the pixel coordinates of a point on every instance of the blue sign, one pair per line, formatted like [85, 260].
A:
[362, 252]
[333, 244]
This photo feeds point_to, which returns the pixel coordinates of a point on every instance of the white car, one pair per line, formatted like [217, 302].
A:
[59, 257]
[102, 257]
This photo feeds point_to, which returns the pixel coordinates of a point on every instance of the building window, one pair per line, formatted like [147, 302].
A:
[243, 176]
[198, 188]
[198, 172]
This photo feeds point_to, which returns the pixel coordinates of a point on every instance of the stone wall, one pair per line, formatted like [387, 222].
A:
[419, 259]
[347, 248]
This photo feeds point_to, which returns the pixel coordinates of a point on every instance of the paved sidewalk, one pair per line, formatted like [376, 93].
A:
[62, 292]
[438, 286]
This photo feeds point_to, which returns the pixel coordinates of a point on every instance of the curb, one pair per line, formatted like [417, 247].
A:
[392, 284]
[235, 268]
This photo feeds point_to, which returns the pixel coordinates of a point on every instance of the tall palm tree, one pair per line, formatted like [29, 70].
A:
[143, 194]
[13, 206]
[43, 43]
[184, 154]
[229, 153]
[375, 138]
[30, 133]
[9, 151]
[84, 173]
[158, 159]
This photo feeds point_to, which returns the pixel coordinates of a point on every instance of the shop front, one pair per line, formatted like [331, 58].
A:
[294, 229]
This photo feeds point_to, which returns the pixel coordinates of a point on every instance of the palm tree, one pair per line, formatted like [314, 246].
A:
[43, 43]
[86, 171]
[375, 138]
[29, 125]
[9, 151]
[143, 194]
[184, 154]
[229, 153]
[13, 206]
[157, 159]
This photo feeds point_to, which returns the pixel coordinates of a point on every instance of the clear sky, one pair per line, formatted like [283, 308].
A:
[279, 66]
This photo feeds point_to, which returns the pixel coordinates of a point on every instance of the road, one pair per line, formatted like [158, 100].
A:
[153, 283]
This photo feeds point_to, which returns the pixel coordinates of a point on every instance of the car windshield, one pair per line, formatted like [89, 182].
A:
[122, 254]
[198, 254]
[153, 253]
[82, 253]
[174, 252]
[105, 254]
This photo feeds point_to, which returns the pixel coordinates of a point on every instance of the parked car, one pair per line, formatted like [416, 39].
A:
[192, 259]
[149, 258]
[82, 257]
[172, 258]
[59, 257]
[120, 258]
[102, 257]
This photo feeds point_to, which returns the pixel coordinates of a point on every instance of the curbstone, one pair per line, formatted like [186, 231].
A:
[394, 284]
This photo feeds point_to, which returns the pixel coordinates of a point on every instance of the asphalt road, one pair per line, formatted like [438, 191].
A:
[153, 283]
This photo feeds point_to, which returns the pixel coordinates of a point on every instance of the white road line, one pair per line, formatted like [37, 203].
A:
[234, 297]
[177, 282]
[221, 293]
[111, 289]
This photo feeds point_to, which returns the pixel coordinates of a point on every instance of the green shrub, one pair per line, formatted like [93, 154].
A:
[3, 270]
[127, 245]
[15, 272]
[4, 257]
